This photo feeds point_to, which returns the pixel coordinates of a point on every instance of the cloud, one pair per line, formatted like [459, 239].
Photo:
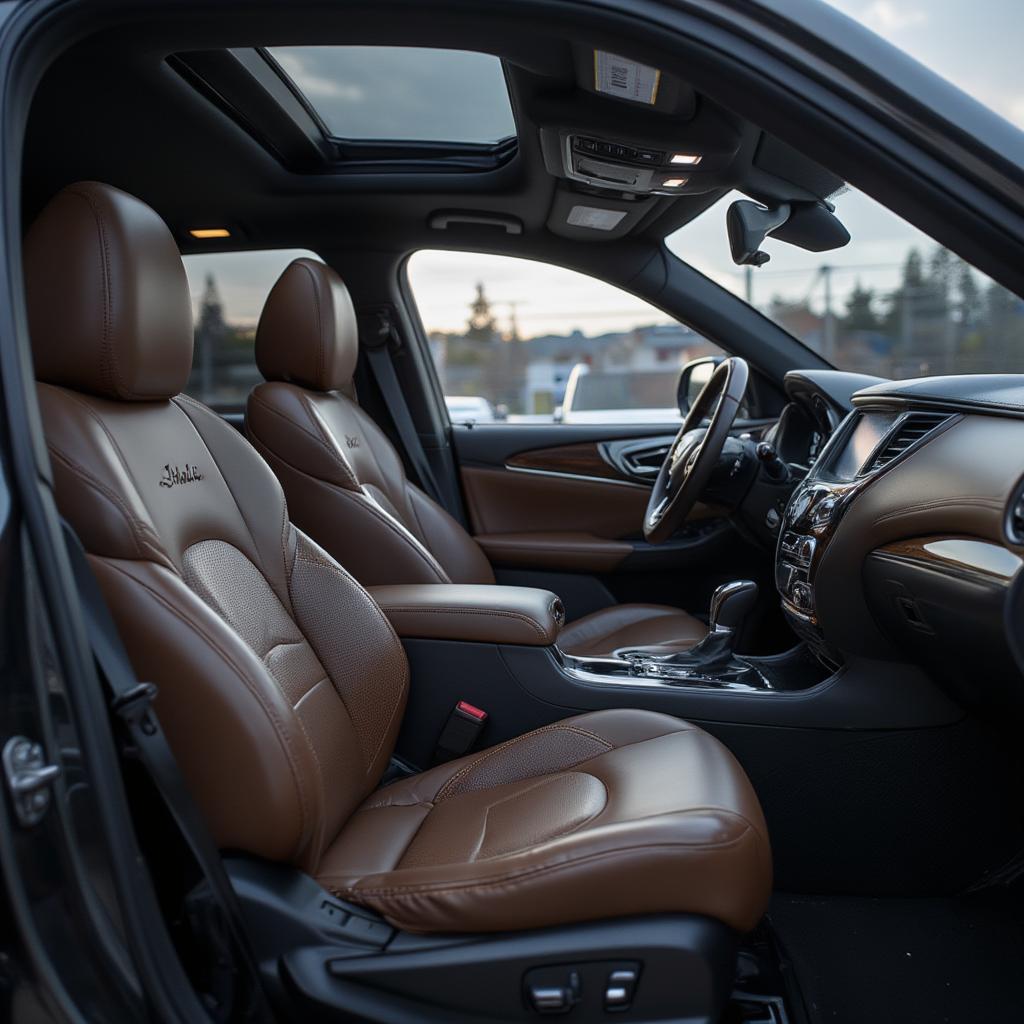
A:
[314, 85]
[1014, 110]
[886, 17]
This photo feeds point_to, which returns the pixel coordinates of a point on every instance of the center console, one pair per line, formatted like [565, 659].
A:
[864, 444]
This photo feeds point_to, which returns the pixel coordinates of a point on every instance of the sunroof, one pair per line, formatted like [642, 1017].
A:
[401, 93]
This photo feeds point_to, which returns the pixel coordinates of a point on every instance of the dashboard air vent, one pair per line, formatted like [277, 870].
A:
[911, 429]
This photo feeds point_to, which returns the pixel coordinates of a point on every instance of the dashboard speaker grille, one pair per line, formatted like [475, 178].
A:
[912, 428]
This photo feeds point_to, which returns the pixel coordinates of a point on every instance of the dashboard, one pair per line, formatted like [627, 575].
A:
[904, 538]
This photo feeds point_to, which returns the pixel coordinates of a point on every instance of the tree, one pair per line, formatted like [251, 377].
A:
[481, 324]
[860, 314]
[211, 331]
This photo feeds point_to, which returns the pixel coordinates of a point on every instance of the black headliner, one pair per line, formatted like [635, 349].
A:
[112, 109]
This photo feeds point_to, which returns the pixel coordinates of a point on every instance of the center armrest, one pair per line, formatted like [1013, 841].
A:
[477, 613]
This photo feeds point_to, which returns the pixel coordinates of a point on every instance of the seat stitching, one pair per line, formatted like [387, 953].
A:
[226, 656]
[547, 839]
[327, 441]
[109, 372]
[400, 892]
[91, 412]
[338, 570]
[183, 399]
[538, 628]
[381, 515]
[396, 528]
[508, 744]
[319, 325]
[224, 480]
[317, 439]
[136, 526]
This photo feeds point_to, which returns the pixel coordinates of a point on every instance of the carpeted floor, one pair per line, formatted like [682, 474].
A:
[957, 960]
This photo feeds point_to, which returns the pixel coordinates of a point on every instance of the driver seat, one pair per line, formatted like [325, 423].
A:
[346, 486]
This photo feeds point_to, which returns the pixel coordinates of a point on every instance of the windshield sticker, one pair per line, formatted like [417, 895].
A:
[625, 79]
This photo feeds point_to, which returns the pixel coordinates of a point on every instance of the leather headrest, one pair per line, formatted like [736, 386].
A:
[307, 332]
[108, 303]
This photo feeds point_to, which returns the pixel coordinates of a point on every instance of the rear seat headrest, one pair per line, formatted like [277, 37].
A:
[108, 302]
[307, 332]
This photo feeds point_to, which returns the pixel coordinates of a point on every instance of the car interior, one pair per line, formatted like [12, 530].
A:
[714, 721]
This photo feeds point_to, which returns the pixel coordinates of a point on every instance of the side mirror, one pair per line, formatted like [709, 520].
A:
[748, 224]
[692, 378]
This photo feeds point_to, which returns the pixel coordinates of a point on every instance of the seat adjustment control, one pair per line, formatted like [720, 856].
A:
[552, 990]
[620, 988]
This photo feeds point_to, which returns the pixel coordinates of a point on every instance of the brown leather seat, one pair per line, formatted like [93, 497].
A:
[281, 683]
[345, 483]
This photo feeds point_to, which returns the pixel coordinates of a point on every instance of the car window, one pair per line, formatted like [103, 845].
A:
[974, 45]
[228, 290]
[527, 342]
[892, 302]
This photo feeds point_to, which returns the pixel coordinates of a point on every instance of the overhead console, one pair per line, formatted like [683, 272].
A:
[635, 129]
[623, 166]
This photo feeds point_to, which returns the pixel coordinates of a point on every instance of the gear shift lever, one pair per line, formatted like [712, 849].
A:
[714, 657]
[731, 603]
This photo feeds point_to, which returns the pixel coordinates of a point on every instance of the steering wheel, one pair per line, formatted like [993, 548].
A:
[694, 453]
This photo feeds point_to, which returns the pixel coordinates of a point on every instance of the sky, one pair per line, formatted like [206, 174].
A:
[974, 44]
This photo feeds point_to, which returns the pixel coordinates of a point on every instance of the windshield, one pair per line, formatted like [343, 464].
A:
[975, 45]
[892, 302]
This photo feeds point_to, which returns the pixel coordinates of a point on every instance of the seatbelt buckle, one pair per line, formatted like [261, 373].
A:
[460, 732]
[133, 707]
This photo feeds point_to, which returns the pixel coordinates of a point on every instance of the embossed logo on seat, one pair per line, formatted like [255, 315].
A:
[174, 475]
[352, 442]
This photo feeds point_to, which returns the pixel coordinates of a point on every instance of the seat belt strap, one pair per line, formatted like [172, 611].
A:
[132, 701]
[377, 343]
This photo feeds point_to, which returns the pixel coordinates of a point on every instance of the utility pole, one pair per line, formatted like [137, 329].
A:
[749, 282]
[830, 320]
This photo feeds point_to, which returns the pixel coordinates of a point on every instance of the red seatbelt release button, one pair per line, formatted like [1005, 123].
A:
[460, 732]
[469, 709]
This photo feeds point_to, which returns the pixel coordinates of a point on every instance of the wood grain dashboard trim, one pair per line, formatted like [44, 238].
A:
[970, 557]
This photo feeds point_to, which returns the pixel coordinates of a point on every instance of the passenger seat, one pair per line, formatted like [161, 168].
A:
[346, 485]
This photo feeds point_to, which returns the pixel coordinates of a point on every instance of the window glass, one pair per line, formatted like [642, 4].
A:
[976, 45]
[892, 302]
[527, 342]
[228, 291]
[402, 93]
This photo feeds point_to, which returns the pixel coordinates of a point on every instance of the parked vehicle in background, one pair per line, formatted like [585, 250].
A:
[623, 397]
[470, 409]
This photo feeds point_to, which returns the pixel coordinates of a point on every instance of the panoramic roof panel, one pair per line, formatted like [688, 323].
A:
[402, 93]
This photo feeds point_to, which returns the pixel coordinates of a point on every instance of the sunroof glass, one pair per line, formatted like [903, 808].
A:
[402, 93]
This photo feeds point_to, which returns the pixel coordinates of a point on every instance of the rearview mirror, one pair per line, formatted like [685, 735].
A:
[748, 224]
[812, 225]
[692, 378]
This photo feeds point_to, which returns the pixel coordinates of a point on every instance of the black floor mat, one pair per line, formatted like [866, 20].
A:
[906, 961]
